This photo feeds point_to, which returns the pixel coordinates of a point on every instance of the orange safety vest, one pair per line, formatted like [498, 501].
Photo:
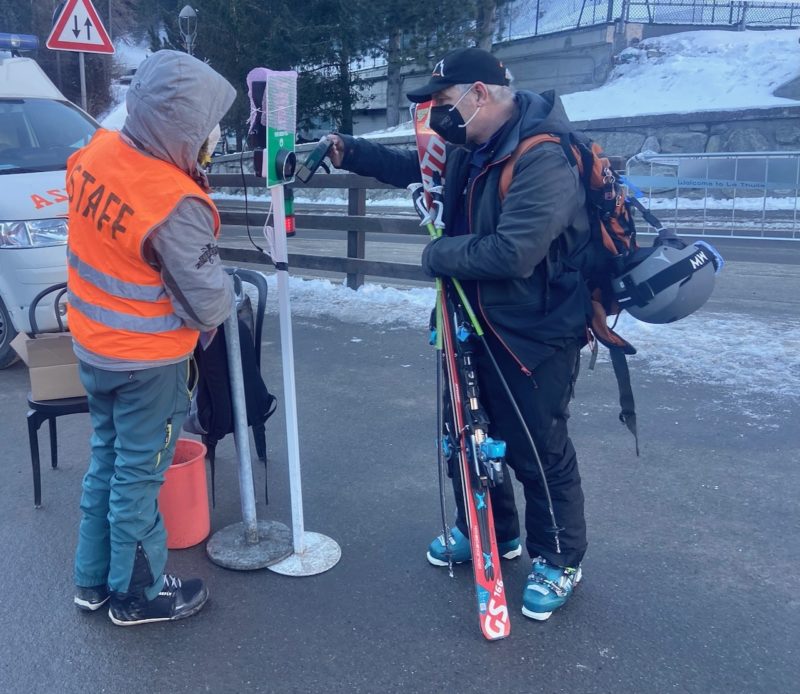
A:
[118, 306]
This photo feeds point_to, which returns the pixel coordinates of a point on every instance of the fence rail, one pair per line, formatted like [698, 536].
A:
[539, 17]
[356, 223]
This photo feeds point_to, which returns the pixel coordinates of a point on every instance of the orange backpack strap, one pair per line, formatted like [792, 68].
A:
[523, 146]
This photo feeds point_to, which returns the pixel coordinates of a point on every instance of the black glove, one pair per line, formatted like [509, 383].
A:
[427, 267]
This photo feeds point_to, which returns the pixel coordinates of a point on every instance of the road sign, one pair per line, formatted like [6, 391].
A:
[78, 28]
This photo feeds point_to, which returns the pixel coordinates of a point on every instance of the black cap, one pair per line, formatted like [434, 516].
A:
[462, 66]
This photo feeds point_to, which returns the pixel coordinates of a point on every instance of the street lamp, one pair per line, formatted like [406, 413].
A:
[187, 23]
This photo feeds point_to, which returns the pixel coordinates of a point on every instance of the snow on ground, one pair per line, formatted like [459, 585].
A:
[130, 55]
[701, 349]
[402, 202]
[114, 119]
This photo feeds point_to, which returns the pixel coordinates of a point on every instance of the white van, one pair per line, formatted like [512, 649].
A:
[39, 130]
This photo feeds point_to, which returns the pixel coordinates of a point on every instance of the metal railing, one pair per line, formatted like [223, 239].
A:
[713, 12]
[539, 17]
[730, 194]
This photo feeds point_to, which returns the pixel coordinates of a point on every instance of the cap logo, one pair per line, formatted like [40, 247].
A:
[438, 69]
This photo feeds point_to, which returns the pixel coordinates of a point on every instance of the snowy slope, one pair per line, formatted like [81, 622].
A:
[695, 71]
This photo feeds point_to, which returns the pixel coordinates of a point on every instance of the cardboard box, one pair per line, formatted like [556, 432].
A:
[52, 365]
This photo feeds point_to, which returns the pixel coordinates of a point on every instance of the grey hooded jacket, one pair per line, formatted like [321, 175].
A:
[173, 103]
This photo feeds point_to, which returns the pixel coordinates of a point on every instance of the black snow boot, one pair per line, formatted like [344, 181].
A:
[176, 600]
[92, 598]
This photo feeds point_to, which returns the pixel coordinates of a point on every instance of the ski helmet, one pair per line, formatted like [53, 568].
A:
[669, 283]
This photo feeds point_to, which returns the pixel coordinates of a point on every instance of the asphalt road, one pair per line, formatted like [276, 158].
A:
[690, 582]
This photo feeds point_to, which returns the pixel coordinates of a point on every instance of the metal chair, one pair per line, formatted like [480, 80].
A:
[48, 410]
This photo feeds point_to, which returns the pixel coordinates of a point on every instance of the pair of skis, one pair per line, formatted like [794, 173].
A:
[463, 425]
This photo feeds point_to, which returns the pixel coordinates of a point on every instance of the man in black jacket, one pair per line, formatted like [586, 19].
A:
[509, 255]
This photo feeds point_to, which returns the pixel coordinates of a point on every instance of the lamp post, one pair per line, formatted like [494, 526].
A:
[187, 23]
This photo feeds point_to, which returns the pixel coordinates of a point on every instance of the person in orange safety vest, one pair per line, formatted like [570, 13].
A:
[144, 281]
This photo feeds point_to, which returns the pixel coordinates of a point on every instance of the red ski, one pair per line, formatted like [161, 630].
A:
[479, 457]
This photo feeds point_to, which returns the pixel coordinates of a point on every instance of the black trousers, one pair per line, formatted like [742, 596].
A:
[543, 399]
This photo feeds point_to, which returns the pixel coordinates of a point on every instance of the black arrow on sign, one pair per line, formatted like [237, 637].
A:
[76, 31]
[88, 24]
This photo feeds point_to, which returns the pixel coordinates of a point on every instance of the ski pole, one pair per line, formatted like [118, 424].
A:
[435, 232]
[417, 192]
[440, 460]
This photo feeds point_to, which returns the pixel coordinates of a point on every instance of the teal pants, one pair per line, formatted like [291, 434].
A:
[136, 416]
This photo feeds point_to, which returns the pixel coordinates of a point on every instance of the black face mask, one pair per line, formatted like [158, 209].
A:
[447, 122]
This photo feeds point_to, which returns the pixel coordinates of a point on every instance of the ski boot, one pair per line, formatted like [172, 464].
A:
[548, 588]
[461, 551]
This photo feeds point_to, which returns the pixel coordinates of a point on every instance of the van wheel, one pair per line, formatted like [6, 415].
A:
[7, 333]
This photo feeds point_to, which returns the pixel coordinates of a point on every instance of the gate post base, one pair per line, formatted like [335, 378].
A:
[320, 554]
[229, 548]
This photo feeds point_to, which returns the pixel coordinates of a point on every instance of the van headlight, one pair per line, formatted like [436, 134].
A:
[36, 232]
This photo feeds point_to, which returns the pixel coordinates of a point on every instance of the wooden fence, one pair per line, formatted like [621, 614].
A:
[356, 223]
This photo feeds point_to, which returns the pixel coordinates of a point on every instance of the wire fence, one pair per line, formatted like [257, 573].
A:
[524, 18]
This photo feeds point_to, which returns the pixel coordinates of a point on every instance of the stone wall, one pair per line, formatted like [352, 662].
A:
[753, 130]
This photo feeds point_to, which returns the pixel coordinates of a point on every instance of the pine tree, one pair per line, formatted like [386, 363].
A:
[418, 33]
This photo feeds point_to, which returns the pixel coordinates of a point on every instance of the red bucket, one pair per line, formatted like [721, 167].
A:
[183, 500]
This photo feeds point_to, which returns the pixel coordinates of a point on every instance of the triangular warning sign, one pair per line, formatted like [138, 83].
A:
[78, 28]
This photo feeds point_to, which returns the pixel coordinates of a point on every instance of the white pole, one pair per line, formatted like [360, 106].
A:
[287, 358]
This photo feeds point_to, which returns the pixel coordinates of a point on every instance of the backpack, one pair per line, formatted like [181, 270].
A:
[211, 409]
[609, 251]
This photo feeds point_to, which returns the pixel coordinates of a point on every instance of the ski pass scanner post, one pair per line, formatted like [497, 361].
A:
[273, 102]
[273, 118]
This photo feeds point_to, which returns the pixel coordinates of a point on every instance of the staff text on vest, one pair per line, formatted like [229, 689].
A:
[88, 197]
